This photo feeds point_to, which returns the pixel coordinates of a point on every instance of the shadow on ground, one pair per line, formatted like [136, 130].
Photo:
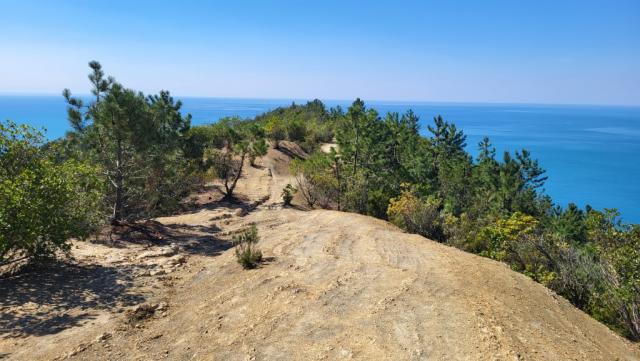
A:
[192, 239]
[212, 197]
[50, 299]
[47, 300]
[195, 239]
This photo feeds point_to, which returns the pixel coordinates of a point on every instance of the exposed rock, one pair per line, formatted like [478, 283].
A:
[292, 149]
[77, 350]
[162, 306]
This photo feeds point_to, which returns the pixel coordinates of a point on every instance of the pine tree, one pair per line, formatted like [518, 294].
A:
[130, 136]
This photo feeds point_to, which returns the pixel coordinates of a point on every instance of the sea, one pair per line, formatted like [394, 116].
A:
[591, 153]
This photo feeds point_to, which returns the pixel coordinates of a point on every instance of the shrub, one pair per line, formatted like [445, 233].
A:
[257, 148]
[43, 203]
[316, 180]
[275, 130]
[246, 252]
[459, 232]
[579, 275]
[500, 238]
[226, 166]
[618, 248]
[622, 272]
[517, 241]
[415, 215]
[287, 194]
[296, 130]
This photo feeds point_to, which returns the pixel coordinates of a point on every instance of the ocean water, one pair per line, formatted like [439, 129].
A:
[591, 153]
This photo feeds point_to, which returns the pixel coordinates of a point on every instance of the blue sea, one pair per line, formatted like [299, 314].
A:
[591, 153]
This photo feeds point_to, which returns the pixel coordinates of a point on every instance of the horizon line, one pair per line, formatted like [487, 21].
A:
[396, 101]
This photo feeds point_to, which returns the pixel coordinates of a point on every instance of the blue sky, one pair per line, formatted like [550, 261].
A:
[536, 51]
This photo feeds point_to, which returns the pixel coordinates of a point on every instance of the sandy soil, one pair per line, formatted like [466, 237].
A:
[334, 286]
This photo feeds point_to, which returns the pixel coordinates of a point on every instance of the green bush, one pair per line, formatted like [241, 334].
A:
[257, 148]
[246, 252]
[416, 215]
[43, 202]
[316, 179]
[459, 232]
[516, 241]
[579, 275]
[617, 303]
[275, 129]
[296, 130]
[287, 194]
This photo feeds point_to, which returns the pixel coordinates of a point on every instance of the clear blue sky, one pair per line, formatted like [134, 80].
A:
[537, 51]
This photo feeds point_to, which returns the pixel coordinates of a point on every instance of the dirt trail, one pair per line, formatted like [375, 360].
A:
[335, 286]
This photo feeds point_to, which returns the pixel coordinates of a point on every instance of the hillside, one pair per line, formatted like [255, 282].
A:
[335, 286]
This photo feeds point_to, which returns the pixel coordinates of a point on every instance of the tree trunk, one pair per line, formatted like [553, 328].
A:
[118, 211]
[230, 189]
[355, 158]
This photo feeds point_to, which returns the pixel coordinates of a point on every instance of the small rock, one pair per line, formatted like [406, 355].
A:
[77, 350]
[162, 306]
[346, 353]
[103, 337]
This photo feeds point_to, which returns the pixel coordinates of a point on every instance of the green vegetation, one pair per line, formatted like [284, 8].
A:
[132, 156]
[246, 252]
[226, 145]
[416, 215]
[316, 180]
[287, 194]
[308, 125]
[43, 201]
[139, 144]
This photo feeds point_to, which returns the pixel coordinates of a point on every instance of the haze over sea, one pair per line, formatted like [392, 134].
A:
[591, 153]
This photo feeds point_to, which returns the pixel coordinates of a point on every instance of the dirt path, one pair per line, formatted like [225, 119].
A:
[335, 286]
